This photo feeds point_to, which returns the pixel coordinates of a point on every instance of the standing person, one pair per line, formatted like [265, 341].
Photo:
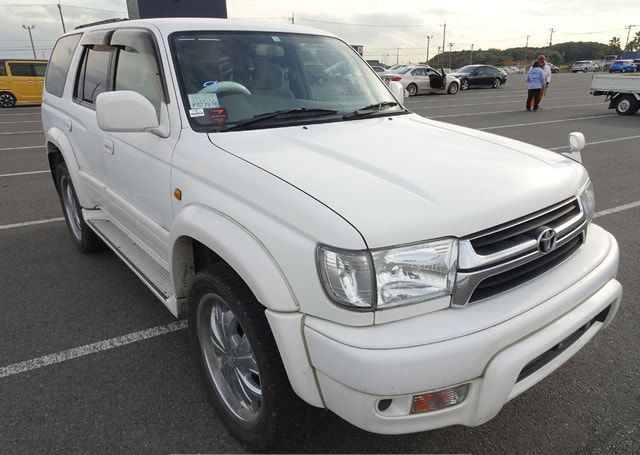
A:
[536, 80]
[547, 74]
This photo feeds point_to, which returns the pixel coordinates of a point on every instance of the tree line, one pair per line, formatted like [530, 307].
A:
[559, 54]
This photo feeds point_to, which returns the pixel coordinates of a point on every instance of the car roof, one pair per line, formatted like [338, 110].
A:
[22, 60]
[170, 25]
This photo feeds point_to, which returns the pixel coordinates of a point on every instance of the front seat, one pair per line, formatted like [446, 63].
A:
[269, 81]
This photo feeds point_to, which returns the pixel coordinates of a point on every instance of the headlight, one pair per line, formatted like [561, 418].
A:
[390, 277]
[587, 201]
[347, 277]
[415, 273]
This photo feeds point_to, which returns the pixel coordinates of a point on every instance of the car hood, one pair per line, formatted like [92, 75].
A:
[405, 178]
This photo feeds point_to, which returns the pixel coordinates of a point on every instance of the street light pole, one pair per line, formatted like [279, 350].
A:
[471, 56]
[526, 52]
[444, 34]
[450, 47]
[29, 27]
[428, 41]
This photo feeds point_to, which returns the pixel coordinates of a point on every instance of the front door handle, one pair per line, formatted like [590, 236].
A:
[108, 146]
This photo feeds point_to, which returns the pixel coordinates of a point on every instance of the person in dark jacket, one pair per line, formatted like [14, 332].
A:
[536, 79]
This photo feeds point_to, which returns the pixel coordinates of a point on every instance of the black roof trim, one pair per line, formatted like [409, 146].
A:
[106, 21]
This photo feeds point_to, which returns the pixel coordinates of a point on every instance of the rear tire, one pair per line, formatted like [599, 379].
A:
[627, 105]
[453, 88]
[85, 239]
[412, 89]
[240, 363]
[7, 100]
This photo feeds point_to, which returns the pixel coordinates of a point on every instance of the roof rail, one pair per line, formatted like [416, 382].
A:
[106, 21]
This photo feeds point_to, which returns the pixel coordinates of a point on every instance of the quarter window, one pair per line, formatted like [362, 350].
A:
[39, 69]
[59, 64]
[3, 70]
[94, 73]
[20, 69]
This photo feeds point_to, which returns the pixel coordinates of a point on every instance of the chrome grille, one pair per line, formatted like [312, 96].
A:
[501, 258]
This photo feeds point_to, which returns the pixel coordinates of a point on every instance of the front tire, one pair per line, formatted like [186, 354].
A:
[496, 83]
[453, 88]
[7, 100]
[464, 84]
[240, 363]
[85, 239]
[627, 105]
[412, 89]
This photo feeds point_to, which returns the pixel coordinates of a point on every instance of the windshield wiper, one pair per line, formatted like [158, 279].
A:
[371, 109]
[297, 111]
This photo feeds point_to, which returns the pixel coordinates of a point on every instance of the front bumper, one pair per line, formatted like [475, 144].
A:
[358, 367]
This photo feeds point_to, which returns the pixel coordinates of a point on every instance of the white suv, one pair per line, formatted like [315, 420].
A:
[330, 249]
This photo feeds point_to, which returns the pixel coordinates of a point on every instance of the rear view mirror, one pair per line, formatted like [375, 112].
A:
[125, 111]
[397, 90]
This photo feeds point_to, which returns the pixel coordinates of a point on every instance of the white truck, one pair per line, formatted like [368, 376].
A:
[622, 91]
[329, 248]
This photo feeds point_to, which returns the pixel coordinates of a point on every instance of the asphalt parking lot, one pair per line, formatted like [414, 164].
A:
[81, 372]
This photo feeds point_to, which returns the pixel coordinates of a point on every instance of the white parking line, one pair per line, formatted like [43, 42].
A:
[619, 208]
[92, 348]
[444, 106]
[20, 121]
[22, 148]
[17, 115]
[628, 138]
[545, 122]
[30, 223]
[16, 174]
[516, 94]
[510, 111]
[21, 132]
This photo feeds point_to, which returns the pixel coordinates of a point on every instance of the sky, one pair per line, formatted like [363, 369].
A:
[388, 30]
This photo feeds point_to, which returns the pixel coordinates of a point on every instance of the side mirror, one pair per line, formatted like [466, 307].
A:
[125, 112]
[576, 144]
[397, 90]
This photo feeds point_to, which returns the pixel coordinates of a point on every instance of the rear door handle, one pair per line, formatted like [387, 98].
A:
[108, 146]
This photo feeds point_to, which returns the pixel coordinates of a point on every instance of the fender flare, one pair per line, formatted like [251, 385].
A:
[60, 141]
[235, 244]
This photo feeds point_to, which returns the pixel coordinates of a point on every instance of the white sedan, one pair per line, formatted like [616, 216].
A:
[418, 79]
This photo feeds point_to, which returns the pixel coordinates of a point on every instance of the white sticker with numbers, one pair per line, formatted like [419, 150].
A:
[203, 101]
[196, 112]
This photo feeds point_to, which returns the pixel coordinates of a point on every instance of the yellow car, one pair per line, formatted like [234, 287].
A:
[21, 81]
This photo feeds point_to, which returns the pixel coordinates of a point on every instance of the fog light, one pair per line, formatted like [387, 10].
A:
[432, 401]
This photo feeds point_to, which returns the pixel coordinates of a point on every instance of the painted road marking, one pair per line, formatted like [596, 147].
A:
[30, 223]
[20, 121]
[619, 208]
[16, 174]
[21, 132]
[508, 112]
[545, 122]
[628, 138]
[444, 106]
[22, 148]
[92, 348]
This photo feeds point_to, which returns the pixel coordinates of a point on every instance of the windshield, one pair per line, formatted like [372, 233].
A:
[229, 79]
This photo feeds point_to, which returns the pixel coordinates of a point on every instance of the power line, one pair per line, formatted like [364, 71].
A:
[363, 25]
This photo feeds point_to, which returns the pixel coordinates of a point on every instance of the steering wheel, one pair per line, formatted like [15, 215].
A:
[225, 88]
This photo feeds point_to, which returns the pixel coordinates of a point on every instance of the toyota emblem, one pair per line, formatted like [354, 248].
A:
[546, 240]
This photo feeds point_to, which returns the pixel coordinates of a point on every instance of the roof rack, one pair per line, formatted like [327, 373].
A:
[106, 21]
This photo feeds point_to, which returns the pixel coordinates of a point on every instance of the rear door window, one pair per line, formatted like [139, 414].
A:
[59, 64]
[20, 69]
[93, 78]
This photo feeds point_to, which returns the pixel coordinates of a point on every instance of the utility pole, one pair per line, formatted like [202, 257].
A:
[293, 17]
[551, 37]
[440, 57]
[526, 53]
[29, 27]
[471, 56]
[444, 34]
[397, 54]
[64, 29]
[628, 27]
[428, 41]
[450, 47]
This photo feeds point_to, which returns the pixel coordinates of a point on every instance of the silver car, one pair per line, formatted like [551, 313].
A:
[417, 79]
[584, 66]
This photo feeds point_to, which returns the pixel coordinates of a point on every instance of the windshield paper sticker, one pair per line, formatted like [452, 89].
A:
[276, 39]
[196, 112]
[203, 101]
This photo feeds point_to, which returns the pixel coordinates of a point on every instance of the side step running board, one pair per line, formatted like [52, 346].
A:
[155, 276]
